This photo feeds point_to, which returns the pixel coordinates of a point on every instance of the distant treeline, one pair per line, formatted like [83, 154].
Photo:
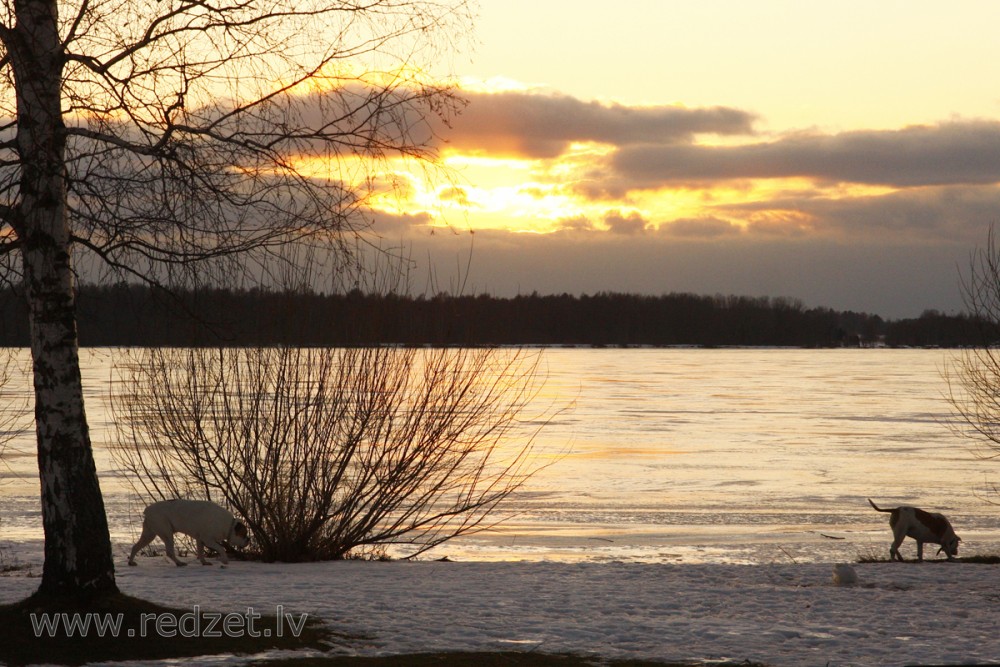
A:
[129, 315]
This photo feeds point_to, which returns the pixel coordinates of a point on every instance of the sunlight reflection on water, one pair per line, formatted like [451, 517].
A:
[736, 455]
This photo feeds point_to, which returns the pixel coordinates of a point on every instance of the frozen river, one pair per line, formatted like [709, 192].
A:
[686, 455]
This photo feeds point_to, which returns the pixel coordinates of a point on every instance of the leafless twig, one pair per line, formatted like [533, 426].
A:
[325, 452]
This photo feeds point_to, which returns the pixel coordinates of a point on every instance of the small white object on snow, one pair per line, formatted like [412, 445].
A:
[844, 575]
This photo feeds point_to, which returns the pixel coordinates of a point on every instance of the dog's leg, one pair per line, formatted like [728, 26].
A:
[920, 551]
[894, 549]
[221, 550]
[168, 542]
[201, 553]
[148, 535]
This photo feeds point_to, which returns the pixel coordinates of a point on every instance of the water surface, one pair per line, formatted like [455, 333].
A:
[663, 455]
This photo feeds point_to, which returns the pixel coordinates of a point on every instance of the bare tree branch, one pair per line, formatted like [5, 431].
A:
[195, 117]
[973, 377]
[170, 140]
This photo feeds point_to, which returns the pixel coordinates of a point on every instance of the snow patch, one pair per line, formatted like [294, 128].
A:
[779, 614]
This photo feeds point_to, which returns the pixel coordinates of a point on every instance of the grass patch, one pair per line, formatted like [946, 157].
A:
[983, 560]
[980, 560]
[10, 565]
[7, 567]
[484, 659]
[137, 636]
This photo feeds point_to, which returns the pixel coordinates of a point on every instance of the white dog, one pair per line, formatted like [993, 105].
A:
[923, 527]
[209, 524]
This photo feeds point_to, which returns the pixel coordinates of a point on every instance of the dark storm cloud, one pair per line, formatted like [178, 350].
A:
[699, 228]
[627, 224]
[543, 126]
[951, 153]
[935, 213]
[579, 223]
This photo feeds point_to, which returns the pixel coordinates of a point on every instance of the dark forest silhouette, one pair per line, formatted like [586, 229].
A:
[130, 315]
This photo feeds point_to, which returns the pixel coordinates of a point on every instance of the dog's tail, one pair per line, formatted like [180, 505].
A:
[877, 508]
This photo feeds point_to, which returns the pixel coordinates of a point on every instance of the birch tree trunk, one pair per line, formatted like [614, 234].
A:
[78, 556]
[179, 160]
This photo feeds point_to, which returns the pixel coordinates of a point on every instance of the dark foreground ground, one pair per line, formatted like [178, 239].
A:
[20, 645]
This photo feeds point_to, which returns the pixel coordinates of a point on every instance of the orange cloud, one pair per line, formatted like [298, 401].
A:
[456, 194]
[628, 224]
[546, 126]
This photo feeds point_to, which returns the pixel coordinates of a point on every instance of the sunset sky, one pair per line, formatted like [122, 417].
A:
[846, 154]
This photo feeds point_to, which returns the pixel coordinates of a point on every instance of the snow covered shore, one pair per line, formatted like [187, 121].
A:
[780, 614]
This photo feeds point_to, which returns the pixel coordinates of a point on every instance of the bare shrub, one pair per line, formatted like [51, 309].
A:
[15, 396]
[973, 377]
[15, 417]
[327, 452]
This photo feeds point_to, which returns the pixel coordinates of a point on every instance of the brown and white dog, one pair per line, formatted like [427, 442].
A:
[209, 524]
[922, 526]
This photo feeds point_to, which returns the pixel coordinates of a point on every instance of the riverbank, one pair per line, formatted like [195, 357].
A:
[780, 614]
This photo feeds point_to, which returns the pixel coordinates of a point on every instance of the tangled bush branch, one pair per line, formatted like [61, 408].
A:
[326, 452]
[15, 397]
[973, 376]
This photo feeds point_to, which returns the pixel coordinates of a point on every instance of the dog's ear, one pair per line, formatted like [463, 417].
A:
[240, 529]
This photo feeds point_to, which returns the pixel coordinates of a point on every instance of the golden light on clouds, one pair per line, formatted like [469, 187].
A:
[495, 84]
[540, 196]
[787, 145]
[519, 158]
[582, 191]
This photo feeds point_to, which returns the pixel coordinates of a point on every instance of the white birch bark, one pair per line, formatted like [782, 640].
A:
[154, 193]
[77, 543]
